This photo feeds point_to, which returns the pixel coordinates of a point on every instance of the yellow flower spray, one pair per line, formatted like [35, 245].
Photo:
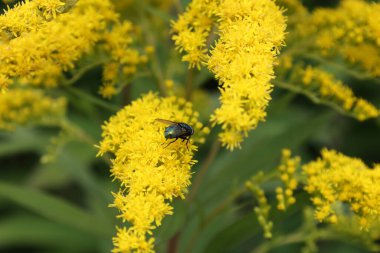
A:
[28, 107]
[337, 178]
[57, 42]
[151, 175]
[287, 171]
[250, 36]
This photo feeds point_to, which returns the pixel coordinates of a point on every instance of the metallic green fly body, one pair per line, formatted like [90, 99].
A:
[177, 130]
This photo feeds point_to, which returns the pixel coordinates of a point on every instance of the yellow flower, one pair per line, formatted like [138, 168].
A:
[28, 16]
[338, 178]
[25, 106]
[124, 59]
[118, 42]
[263, 208]
[191, 31]
[150, 173]
[365, 110]
[351, 31]
[41, 50]
[107, 90]
[287, 170]
[250, 35]
[324, 86]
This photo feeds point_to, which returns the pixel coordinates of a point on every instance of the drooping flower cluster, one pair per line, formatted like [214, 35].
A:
[335, 178]
[151, 175]
[287, 170]
[324, 86]
[27, 106]
[250, 36]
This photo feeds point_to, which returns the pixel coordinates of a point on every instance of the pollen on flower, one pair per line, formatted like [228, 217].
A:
[337, 178]
[150, 174]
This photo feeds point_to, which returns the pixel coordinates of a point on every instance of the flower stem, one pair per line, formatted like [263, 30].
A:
[202, 171]
[189, 84]
[91, 99]
[313, 97]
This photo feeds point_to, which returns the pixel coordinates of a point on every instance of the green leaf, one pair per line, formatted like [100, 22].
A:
[156, 12]
[22, 139]
[35, 231]
[55, 209]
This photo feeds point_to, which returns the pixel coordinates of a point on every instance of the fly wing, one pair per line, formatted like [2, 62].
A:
[182, 130]
[166, 121]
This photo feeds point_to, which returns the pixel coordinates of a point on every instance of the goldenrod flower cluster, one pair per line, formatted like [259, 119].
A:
[262, 210]
[151, 175]
[28, 16]
[41, 52]
[324, 87]
[27, 106]
[124, 58]
[335, 91]
[351, 31]
[336, 178]
[60, 38]
[287, 170]
[250, 35]
[191, 31]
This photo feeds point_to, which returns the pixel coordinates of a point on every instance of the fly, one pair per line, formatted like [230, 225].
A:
[177, 130]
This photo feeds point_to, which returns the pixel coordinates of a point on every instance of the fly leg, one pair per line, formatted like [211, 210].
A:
[171, 143]
[187, 139]
[187, 142]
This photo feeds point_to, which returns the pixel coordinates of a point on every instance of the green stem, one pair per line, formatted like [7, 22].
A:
[297, 237]
[80, 73]
[222, 206]
[202, 171]
[298, 48]
[214, 213]
[91, 99]
[178, 6]
[189, 84]
[81, 135]
[76, 132]
[155, 66]
[341, 68]
[68, 6]
[312, 97]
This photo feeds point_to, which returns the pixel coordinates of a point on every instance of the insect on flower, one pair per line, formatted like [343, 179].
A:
[177, 130]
